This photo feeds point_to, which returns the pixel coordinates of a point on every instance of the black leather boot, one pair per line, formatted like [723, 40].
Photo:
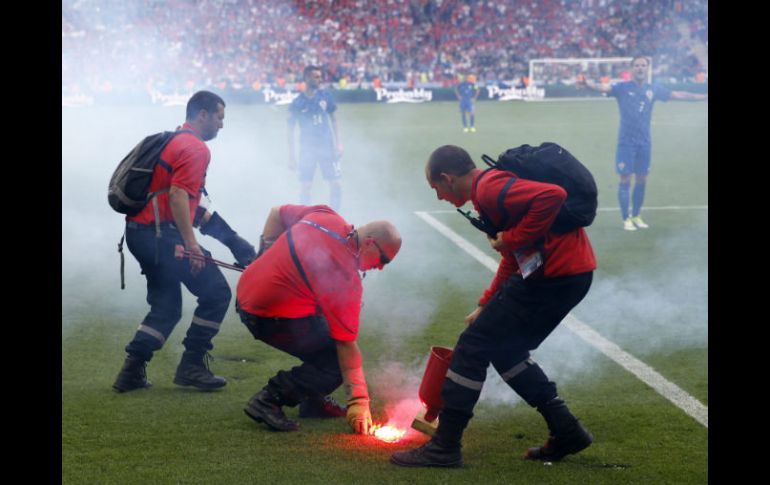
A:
[265, 407]
[132, 376]
[193, 370]
[567, 435]
[431, 453]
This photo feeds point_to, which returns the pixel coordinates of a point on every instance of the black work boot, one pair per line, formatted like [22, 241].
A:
[321, 407]
[265, 407]
[429, 454]
[193, 370]
[567, 435]
[132, 376]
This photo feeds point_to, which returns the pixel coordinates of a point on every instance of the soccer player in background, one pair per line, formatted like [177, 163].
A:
[467, 93]
[632, 157]
[319, 138]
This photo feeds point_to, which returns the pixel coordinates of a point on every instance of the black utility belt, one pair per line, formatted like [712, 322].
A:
[150, 226]
[277, 320]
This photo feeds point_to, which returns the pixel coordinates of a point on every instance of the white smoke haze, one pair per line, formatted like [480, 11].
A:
[642, 314]
[396, 385]
[672, 316]
[248, 175]
[564, 357]
[647, 312]
[399, 297]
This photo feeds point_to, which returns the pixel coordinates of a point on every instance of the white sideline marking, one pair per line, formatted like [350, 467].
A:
[608, 209]
[466, 246]
[645, 373]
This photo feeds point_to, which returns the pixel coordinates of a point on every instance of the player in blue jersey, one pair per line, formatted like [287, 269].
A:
[319, 142]
[635, 99]
[467, 93]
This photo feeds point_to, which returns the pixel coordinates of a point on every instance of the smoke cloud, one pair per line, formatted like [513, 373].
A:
[248, 175]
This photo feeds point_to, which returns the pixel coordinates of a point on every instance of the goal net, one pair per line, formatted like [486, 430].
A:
[558, 75]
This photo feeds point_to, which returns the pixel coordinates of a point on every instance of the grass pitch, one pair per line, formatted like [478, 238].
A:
[649, 296]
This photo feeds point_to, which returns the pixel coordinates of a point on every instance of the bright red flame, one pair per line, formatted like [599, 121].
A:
[387, 433]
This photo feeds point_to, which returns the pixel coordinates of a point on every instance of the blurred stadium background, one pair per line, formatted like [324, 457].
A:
[150, 49]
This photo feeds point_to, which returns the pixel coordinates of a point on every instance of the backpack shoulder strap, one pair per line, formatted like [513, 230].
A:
[489, 161]
[478, 179]
[500, 198]
[483, 214]
[153, 196]
[172, 135]
[165, 164]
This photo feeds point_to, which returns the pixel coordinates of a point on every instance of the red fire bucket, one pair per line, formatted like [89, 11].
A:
[433, 380]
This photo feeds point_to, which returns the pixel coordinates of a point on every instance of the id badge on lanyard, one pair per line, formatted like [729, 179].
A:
[529, 260]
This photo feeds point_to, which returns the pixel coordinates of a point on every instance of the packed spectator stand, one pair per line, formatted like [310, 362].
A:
[182, 45]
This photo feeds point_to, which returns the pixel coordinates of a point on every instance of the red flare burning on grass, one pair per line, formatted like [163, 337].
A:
[387, 433]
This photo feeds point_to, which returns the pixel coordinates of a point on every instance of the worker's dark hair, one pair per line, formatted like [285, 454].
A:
[203, 100]
[449, 159]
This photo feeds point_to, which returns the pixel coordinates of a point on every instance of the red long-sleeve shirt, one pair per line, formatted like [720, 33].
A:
[532, 207]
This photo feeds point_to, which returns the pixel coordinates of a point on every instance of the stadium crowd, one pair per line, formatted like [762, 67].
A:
[182, 45]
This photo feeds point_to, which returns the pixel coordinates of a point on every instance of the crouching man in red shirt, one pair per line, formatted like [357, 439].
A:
[303, 296]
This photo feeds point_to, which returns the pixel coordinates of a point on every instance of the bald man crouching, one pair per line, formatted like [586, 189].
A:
[302, 295]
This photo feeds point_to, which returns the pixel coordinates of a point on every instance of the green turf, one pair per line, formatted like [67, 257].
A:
[649, 297]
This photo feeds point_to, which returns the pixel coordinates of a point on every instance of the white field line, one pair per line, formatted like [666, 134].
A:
[610, 209]
[645, 373]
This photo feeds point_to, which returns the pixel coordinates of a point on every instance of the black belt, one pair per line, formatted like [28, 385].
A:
[253, 320]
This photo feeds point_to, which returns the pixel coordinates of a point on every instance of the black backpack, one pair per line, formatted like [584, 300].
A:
[129, 185]
[549, 163]
[128, 191]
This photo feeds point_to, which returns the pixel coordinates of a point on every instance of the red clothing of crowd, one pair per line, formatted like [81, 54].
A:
[109, 46]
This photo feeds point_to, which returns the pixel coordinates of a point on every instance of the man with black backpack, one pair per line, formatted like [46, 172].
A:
[543, 274]
[161, 221]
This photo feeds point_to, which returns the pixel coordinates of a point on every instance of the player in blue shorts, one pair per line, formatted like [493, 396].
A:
[467, 93]
[635, 99]
[319, 143]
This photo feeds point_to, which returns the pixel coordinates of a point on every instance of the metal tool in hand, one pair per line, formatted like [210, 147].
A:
[180, 252]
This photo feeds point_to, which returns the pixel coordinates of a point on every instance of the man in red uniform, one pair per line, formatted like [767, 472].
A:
[541, 277]
[152, 235]
[303, 296]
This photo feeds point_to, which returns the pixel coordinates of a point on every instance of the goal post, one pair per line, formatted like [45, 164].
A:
[562, 73]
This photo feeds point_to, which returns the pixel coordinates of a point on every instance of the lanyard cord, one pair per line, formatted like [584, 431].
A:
[340, 239]
[322, 228]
